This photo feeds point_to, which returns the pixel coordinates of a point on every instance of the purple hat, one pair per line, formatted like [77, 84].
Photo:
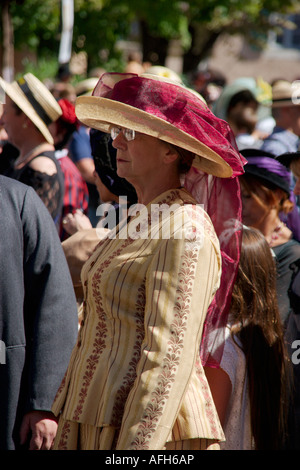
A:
[265, 166]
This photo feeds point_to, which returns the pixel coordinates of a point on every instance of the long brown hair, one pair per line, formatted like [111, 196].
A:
[257, 324]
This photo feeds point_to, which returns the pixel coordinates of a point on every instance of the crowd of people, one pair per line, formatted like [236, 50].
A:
[168, 319]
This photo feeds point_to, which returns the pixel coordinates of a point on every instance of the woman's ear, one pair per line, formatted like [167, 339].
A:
[26, 121]
[170, 154]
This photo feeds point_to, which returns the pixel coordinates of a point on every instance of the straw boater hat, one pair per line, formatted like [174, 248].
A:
[163, 109]
[285, 93]
[35, 100]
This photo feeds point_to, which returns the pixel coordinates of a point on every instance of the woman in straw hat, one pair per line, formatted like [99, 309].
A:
[28, 111]
[135, 378]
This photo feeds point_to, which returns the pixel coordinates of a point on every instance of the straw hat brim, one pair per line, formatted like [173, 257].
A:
[102, 113]
[16, 94]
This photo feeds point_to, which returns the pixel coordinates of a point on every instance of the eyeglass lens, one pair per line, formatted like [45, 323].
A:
[129, 134]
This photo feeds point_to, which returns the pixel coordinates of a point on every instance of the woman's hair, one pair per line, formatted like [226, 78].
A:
[295, 167]
[185, 158]
[17, 109]
[272, 194]
[257, 323]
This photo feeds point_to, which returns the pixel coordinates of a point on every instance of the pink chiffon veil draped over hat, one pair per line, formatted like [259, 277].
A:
[220, 196]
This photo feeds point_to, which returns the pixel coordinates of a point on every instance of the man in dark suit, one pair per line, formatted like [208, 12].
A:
[38, 318]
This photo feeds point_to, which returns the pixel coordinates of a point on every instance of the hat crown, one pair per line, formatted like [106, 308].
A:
[35, 100]
[40, 98]
[281, 89]
[284, 92]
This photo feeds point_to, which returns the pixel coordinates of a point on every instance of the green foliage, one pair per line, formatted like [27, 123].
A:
[37, 25]
[44, 68]
[100, 24]
[97, 28]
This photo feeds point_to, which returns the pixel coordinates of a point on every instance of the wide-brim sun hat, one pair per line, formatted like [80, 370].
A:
[35, 100]
[161, 108]
[260, 90]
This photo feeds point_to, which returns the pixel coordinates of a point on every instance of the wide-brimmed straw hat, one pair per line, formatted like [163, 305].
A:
[35, 100]
[166, 110]
[285, 93]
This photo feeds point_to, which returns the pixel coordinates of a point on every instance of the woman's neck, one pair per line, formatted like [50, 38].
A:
[148, 193]
[30, 149]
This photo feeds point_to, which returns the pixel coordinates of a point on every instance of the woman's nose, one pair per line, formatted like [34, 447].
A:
[120, 141]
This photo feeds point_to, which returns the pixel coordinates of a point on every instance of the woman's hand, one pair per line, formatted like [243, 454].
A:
[72, 223]
[39, 430]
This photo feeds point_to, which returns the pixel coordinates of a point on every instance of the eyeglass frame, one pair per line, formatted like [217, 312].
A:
[115, 131]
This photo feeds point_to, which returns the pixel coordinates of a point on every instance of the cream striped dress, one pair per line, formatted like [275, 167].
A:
[135, 380]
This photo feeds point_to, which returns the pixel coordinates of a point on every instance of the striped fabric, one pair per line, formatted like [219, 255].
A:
[135, 368]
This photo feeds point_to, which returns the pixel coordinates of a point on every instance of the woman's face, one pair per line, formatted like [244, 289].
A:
[254, 207]
[141, 159]
[12, 121]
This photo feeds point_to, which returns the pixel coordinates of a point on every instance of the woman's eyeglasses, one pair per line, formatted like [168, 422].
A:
[129, 134]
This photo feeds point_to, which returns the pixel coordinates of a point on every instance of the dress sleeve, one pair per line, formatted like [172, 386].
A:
[181, 281]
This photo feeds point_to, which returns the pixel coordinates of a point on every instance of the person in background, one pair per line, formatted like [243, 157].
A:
[109, 185]
[291, 160]
[38, 318]
[8, 152]
[111, 188]
[243, 104]
[135, 379]
[266, 190]
[80, 152]
[209, 84]
[252, 388]
[63, 91]
[266, 193]
[76, 195]
[28, 111]
[286, 113]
